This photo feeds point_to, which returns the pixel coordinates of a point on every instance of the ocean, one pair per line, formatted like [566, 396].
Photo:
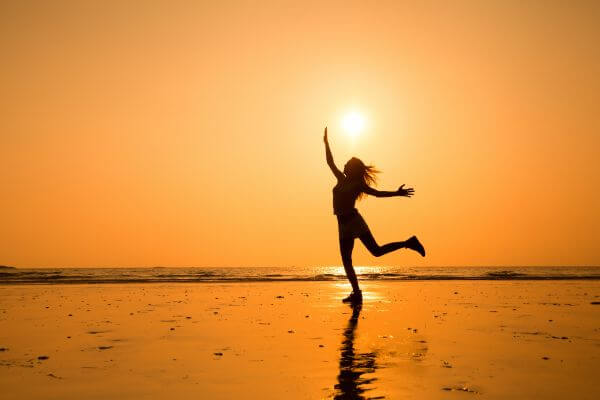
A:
[10, 275]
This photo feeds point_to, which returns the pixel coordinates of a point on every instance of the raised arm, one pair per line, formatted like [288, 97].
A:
[338, 174]
[381, 193]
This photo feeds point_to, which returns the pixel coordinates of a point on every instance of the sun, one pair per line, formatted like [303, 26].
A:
[353, 123]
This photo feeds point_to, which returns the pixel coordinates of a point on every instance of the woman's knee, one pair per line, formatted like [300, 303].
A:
[375, 250]
[371, 245]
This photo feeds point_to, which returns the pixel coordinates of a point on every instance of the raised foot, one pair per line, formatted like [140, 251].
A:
[414, 244]
[354, 298]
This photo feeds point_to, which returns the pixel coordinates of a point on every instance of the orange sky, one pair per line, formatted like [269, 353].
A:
[188, 133]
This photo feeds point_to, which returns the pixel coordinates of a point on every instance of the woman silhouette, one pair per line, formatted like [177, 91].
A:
[353, 184]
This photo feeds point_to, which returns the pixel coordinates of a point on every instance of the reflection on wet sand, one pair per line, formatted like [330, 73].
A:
[351, 384]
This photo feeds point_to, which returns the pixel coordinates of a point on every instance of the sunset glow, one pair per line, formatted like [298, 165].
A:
[299, 199]
[353, 123]
[143, 133]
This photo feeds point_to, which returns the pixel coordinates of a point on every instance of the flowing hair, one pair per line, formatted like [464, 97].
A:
[365, 173]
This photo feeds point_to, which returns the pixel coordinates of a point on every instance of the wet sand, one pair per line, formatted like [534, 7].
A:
[296, 340]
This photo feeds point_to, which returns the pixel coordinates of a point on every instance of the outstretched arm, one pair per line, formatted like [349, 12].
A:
[338, 174]
[381, 193]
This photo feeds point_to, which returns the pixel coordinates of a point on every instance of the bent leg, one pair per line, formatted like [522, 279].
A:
[377, 250]
[346, 247]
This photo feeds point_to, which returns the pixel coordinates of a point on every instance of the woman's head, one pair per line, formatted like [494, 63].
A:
[355, 169]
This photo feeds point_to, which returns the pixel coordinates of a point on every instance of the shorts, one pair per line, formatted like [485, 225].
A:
[351, 226]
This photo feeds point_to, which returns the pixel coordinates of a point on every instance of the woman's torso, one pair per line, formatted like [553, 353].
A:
[345, 194]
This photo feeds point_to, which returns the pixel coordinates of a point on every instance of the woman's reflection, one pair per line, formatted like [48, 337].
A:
[351, 384]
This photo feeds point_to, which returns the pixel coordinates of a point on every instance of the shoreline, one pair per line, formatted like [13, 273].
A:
[342, 280]
[233, 281]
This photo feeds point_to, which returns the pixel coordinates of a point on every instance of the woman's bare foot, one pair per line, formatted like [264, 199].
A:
[354, 298]
[414, 244]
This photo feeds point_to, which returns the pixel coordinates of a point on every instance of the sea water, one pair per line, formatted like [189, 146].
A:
[9, 275]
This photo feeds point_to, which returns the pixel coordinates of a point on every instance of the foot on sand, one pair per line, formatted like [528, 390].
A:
[354, 298]
[414, 244]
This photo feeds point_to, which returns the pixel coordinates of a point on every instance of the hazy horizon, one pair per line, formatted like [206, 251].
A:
[373, 265]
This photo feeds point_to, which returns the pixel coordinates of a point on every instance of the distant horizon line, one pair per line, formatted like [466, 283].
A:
[312, 266]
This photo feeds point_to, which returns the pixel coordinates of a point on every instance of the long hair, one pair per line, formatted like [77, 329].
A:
[356, 169]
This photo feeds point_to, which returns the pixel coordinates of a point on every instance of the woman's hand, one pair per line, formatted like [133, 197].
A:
[405, 192]
[325, 135]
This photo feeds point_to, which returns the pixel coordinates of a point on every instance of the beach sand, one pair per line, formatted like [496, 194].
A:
[296, 340]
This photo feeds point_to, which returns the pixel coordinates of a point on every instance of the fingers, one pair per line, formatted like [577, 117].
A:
[406, 192]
